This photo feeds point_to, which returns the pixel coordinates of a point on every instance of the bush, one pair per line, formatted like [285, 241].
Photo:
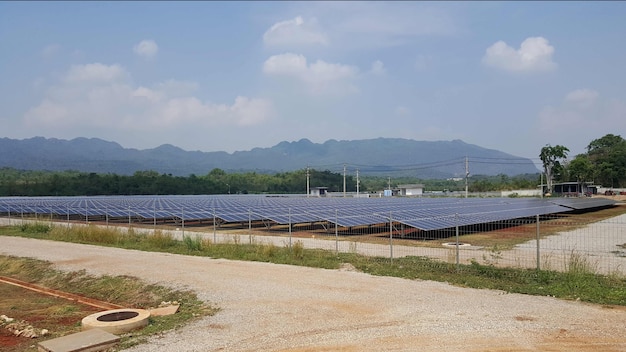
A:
[161, 240]
[298, 250]
[193, 244]
[35, 228]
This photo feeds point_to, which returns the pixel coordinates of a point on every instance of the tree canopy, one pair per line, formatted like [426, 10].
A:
[607, 155]
[550, 157]
[604, 163]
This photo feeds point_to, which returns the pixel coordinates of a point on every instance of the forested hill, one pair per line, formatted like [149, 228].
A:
[381, 156]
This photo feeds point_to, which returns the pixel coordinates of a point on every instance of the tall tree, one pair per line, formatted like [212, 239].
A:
[550, 157]
[608, 156]
[580, 169]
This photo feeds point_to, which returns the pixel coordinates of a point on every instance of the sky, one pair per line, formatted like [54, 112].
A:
[232, 76]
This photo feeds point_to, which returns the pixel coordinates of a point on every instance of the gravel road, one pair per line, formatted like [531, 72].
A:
[269, 307]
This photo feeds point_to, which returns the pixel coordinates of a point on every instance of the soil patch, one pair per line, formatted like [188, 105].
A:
[59, 316]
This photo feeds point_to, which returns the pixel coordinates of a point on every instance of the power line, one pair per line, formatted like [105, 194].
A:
[423, 166]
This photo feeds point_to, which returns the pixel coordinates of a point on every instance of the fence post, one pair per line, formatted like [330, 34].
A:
[214, 235]
[250, 226]
[290, 229]
[458, 262]
[337, 232]
[538, 254]
[391, 237]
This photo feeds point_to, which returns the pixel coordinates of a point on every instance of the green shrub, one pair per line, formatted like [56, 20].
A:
[161, 240]
[193, 244]
[298, 250]
[35, 227]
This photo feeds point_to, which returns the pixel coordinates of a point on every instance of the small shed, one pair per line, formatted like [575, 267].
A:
[411, 190]
[318, 191]
[572, 188]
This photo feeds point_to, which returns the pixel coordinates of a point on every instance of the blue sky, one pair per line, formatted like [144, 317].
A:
[213, 76]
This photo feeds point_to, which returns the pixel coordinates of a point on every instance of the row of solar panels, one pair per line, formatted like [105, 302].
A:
[420, 213]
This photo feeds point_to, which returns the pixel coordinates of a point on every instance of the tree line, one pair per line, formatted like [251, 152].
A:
[74, 183]
[603, 164]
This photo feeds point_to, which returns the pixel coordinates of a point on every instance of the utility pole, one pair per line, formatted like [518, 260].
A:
[389, 183]
[466, 175]
[308, 189]
[357, 182]
[344, 180]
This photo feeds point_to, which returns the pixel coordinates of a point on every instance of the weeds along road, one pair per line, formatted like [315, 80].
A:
[269, 307]
[598, 243]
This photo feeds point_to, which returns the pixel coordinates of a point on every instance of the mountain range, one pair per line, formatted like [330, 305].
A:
[376, 157]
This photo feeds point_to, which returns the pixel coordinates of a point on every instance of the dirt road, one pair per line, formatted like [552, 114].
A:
[268, 307]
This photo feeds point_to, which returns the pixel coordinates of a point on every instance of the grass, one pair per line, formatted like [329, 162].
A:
[122, 290]
[579, 282]
[575, 284]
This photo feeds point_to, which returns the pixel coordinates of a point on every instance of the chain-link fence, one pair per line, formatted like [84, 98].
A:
[593, 241]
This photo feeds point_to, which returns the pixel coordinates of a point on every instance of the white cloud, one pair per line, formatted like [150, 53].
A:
[296, 31]
[286, 64]
[534, 54]
[389, 20]
[249, 112]
[402, 111]
[243, 112]
[176, 88]
[370, 24]
[101, 97]
[95, 72]
[147, 93]
[319, 76]
[146, 48]
[571, 113]
[582, 97]
[581, 116]
[378, 68]
[50, 50]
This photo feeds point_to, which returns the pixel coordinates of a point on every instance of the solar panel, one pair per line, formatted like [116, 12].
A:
[583, 203]
[421, 213]
[472, 213]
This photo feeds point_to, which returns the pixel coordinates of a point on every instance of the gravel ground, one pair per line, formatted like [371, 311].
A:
[269, 307]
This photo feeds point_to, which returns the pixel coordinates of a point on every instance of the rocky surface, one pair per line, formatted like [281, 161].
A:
[21, 327]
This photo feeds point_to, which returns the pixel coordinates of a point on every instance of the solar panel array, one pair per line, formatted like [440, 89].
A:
[421, 213]
[583, 203]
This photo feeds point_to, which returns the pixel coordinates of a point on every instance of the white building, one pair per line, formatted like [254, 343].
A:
[318, 191]
[411, 190]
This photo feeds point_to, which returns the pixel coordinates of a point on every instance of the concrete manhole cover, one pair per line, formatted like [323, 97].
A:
[454, 244]
[117, 321]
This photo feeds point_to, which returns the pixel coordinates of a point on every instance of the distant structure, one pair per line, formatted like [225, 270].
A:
[411, 190]
[319, 191]
[572, 188]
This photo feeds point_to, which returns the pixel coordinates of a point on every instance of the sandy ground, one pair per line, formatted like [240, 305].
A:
[268, 307]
